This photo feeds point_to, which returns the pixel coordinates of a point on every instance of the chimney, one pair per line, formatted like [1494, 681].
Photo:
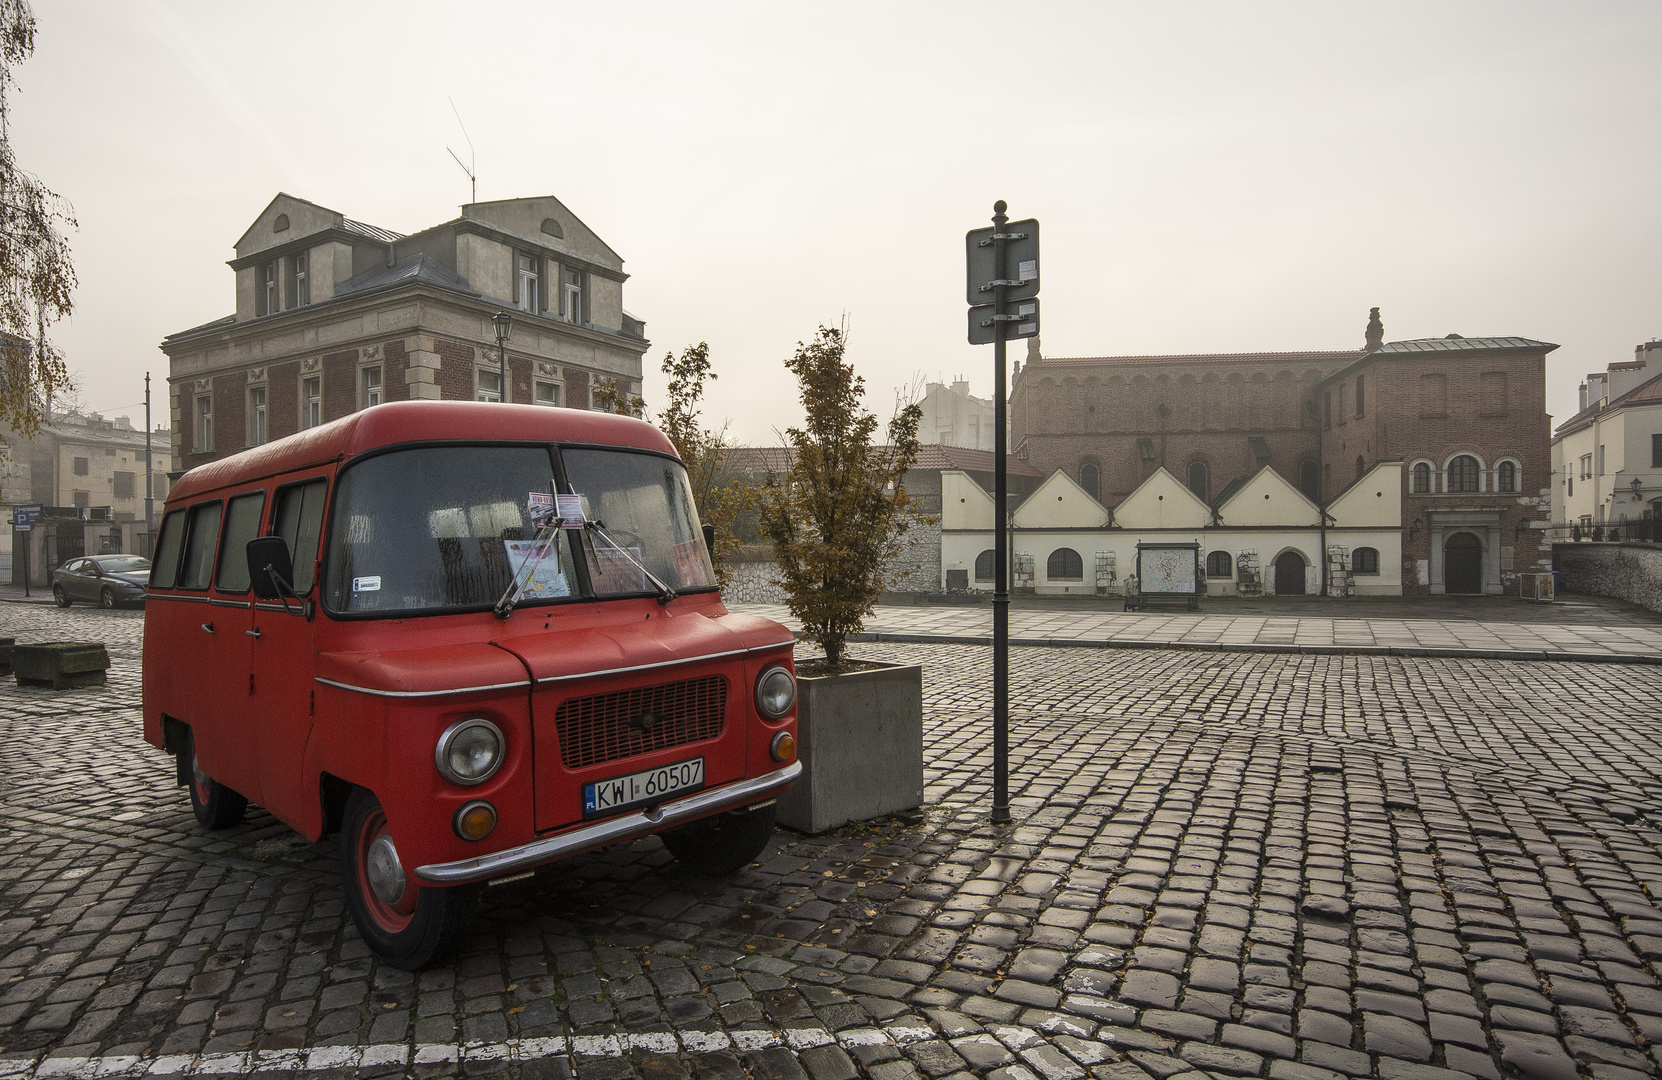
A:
[961, 386]
[1376, 331]
[1583, 398]
[1033, 350]
[1640, 351]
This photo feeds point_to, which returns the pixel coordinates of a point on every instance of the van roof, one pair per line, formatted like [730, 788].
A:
[418, 421]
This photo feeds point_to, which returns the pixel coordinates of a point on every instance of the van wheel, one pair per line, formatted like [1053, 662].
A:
[215, 805]
[107, 598]
[59, 596]
[408, 925]
[722, 844]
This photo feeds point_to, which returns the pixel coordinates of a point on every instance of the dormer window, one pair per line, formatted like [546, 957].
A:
[267, 286]
[571, 308]
[300, 285]
[526, 267]
[281, 224]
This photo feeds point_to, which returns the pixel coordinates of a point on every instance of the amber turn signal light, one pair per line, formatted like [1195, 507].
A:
[475, 820]
[783, 747]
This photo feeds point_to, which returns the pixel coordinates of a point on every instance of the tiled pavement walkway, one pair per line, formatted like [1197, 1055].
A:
[1581, 627]
[1294, 866]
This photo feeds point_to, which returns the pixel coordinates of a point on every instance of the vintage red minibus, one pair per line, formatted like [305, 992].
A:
[470, 639]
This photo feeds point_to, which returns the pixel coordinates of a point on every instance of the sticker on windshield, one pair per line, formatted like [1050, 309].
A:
[541, 573]
[366, 584]
[542, 509]
[571, 511]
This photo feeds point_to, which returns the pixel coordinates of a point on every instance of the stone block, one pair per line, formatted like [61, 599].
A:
[62, 665]
[860, 741]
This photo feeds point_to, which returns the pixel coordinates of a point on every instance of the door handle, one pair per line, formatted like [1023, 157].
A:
[208, 626]
[253, 633]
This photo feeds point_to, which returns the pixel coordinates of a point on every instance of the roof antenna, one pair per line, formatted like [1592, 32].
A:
[472, 173]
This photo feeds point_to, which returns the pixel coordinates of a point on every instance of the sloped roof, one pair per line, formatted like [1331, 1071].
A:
[228, 320]
[1646, 393]
[1461, 344]
[374, 232]
[417, 268]
[931, 457]
[1197, 358]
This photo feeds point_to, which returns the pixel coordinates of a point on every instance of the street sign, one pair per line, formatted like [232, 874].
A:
[25, 514]
[1021, 319]
[1021, 262]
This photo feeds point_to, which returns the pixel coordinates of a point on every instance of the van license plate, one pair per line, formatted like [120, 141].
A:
[642, 788]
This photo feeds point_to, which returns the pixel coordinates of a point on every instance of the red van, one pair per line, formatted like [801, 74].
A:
[471, 639]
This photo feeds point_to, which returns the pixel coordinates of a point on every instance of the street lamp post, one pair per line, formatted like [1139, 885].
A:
[504, 323]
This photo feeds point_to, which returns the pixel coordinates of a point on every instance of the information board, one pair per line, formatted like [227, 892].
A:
[1167, 571]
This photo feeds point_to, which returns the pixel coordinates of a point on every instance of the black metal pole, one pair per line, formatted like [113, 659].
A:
[149, 484]
[502, 361]
[1001, 542]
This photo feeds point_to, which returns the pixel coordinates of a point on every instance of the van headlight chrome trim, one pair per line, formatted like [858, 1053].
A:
[470, 751]
[775, 692]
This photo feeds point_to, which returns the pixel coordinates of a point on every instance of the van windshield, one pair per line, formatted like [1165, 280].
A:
[448, 528]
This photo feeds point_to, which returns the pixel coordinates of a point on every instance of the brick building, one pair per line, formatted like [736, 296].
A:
[1466, 417]
[333, 315]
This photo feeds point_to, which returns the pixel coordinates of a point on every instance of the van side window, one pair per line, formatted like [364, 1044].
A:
[242, 524]
[199, 546]
[299, 521]
[164, 571]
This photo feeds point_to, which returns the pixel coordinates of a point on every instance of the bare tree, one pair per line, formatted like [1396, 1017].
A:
[37, 278]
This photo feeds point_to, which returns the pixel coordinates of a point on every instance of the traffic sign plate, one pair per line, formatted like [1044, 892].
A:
[1025, 321]
[1021, 262]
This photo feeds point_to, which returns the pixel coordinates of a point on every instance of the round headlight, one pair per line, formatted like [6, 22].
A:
[469, 751]
[775, 693]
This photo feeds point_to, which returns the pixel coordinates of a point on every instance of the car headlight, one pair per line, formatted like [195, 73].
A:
[775, 692]
[469, 751]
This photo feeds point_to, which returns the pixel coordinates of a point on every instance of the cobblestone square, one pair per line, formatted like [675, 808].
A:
[1224, 864]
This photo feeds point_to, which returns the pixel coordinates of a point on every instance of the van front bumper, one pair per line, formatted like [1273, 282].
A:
[612, 831]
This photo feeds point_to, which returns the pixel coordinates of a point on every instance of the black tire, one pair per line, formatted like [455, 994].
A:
[106, 598]
[717, 846]
[414, 929]
[215, 805]
[59, 596]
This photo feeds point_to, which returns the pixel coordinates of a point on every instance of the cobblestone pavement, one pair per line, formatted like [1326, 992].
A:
[1224, 864]
[1576, 626]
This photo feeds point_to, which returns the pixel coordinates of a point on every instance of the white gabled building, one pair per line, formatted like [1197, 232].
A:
[1607, 458]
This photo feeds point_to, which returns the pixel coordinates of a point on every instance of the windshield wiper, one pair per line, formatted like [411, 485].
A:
[544, 540]
[665, 593]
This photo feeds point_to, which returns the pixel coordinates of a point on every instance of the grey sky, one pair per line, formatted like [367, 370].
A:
[1210, 177]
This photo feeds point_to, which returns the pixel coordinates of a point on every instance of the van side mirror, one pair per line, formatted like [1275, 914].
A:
[270, 569]
[710, 541]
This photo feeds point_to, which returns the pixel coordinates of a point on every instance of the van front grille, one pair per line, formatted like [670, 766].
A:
[610, 727]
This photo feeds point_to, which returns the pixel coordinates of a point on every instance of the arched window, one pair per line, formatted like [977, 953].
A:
[1463, 473]
[1219, 564]
[1065, 564]
[1361, 466]
[1090, 478]
[984, 565]
[1307, 480]
[1506, 477]
[1422, 479]
[1364, 561]
[1198, 480]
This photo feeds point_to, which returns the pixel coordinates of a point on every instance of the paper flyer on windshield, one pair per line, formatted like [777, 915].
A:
[542, 575]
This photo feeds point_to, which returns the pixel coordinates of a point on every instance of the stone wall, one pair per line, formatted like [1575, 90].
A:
[1631, 572]
[755, 577]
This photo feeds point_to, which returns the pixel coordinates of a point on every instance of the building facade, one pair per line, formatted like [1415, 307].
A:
[1607, 458]
[334, 315]
[1466, 417]
[952, 416]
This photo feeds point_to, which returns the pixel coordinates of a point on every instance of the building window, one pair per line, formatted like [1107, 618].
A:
[1090, 478]
[1586, 466]
[205, 424]
[83, 499]
[300, 288]
[1463, 475]
[256, 415]
[268, 288]
[311, 401]
[547, 393]
[1433, 395]
[490, 385]
[1065, 564]
[1506, 477]
[1199, 480]
[1492, 393]
[1599, 464]
[1569, 485]
[571, 302]
[123, 485]
[526, 282]
[1220, 565]
[1364, 561]
[369, 386]
[1656, 451]
[1145, 449]
[82, 466]
[984, 565]
[1422, 479]
[1361, 466]
[1361, 398]
[1307, 480]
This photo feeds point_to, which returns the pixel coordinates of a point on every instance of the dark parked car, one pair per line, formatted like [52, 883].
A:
[107, 580]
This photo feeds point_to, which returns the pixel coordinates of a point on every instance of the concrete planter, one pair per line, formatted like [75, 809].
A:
[6, 644]
[62, 665]
[860, 741]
